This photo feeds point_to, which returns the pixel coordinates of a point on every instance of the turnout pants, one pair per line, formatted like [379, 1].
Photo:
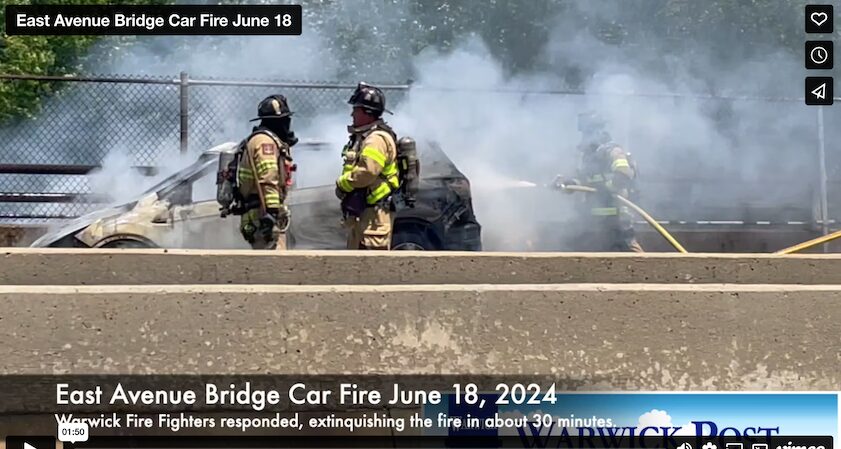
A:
[605, 234]
[372, 230]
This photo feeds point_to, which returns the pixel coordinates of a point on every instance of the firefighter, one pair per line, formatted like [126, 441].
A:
[370, 173]
[269, 147]
[606, 224]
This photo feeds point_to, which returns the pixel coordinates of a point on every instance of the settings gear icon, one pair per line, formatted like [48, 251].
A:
[709, 445]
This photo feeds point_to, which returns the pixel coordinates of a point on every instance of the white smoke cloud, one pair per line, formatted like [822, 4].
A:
[508, 144]
[120, 179]
[660, 418]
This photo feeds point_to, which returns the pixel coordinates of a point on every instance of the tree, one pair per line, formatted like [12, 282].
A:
[41, 55]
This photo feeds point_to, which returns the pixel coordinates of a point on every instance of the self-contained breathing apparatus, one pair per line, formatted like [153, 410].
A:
[604, 151]
[226, 174]
[408, 167]
[228, 193]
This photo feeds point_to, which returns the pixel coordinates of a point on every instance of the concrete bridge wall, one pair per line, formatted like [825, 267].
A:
[125, 267]
[654, 321]
[609, 336]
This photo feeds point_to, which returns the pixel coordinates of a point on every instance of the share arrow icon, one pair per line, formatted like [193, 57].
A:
[819, 91]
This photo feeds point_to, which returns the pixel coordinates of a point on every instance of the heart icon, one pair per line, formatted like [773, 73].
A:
[819, 18]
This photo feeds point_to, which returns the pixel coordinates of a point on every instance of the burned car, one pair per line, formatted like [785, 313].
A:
[181, 212]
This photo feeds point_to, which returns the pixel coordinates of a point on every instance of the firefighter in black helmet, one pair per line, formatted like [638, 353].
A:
[605, 224]
[264, 175]
[370, 174]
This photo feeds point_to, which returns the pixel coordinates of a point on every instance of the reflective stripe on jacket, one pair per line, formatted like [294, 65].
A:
[373, 168]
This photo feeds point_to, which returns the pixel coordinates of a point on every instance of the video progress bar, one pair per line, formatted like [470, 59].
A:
[460, 441]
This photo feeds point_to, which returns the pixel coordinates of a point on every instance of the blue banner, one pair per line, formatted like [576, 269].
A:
[639, 415]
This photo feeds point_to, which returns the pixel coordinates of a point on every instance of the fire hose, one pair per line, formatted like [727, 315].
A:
[790, 250]
[637, 209]
[810, 243]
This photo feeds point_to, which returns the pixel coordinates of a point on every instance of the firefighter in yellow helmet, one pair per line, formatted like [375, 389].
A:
[605, 223]
[263, 191]
[370, 173]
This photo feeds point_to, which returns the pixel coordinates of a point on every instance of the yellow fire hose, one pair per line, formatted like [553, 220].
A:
[791, 249]
[638, 210]
[810, 243]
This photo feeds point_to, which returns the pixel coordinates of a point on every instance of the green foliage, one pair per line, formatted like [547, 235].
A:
[41, 55]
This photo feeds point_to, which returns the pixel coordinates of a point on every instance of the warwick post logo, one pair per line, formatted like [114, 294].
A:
[657, 420]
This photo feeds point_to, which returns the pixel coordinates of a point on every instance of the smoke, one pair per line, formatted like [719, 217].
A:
[500, 138]
[493, 121]
[497, 139]
[119, 179]
[701, 158]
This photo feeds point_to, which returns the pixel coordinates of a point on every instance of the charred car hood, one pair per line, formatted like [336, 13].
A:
[78, 224]
[159, 190]
[89, 228]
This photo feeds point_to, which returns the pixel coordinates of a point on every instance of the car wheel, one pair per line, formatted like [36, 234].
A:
[412, 239]
[126, 244]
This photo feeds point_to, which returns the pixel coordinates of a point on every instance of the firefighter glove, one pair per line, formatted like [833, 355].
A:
[268, 223]
[562, 181]
[354, 203]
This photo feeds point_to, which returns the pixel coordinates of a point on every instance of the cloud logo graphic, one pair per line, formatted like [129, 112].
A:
[660, 418]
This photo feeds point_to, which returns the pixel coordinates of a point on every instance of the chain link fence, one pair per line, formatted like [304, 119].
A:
[143, 119]
[146, 120]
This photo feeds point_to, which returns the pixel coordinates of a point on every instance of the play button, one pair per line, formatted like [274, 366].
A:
[35, 442]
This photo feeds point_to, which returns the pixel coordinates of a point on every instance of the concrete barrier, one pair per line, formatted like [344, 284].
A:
[617, 336]
[121, 267]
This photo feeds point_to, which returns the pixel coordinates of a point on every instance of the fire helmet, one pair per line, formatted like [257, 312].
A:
[370, 98]
[274, 106]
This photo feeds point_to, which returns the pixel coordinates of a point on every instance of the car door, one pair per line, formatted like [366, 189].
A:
[198, 224]
[316, 219]
[315, 223]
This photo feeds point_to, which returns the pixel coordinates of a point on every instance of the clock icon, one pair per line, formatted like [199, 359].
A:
[819, 55]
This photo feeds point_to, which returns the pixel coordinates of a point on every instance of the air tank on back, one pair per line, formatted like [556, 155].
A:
[409, 165]
[225, 182]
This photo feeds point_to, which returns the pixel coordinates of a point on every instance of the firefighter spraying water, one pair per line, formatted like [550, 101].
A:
[604, 224]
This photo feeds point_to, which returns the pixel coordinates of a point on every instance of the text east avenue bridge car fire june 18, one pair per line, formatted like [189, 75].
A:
[146, 21]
